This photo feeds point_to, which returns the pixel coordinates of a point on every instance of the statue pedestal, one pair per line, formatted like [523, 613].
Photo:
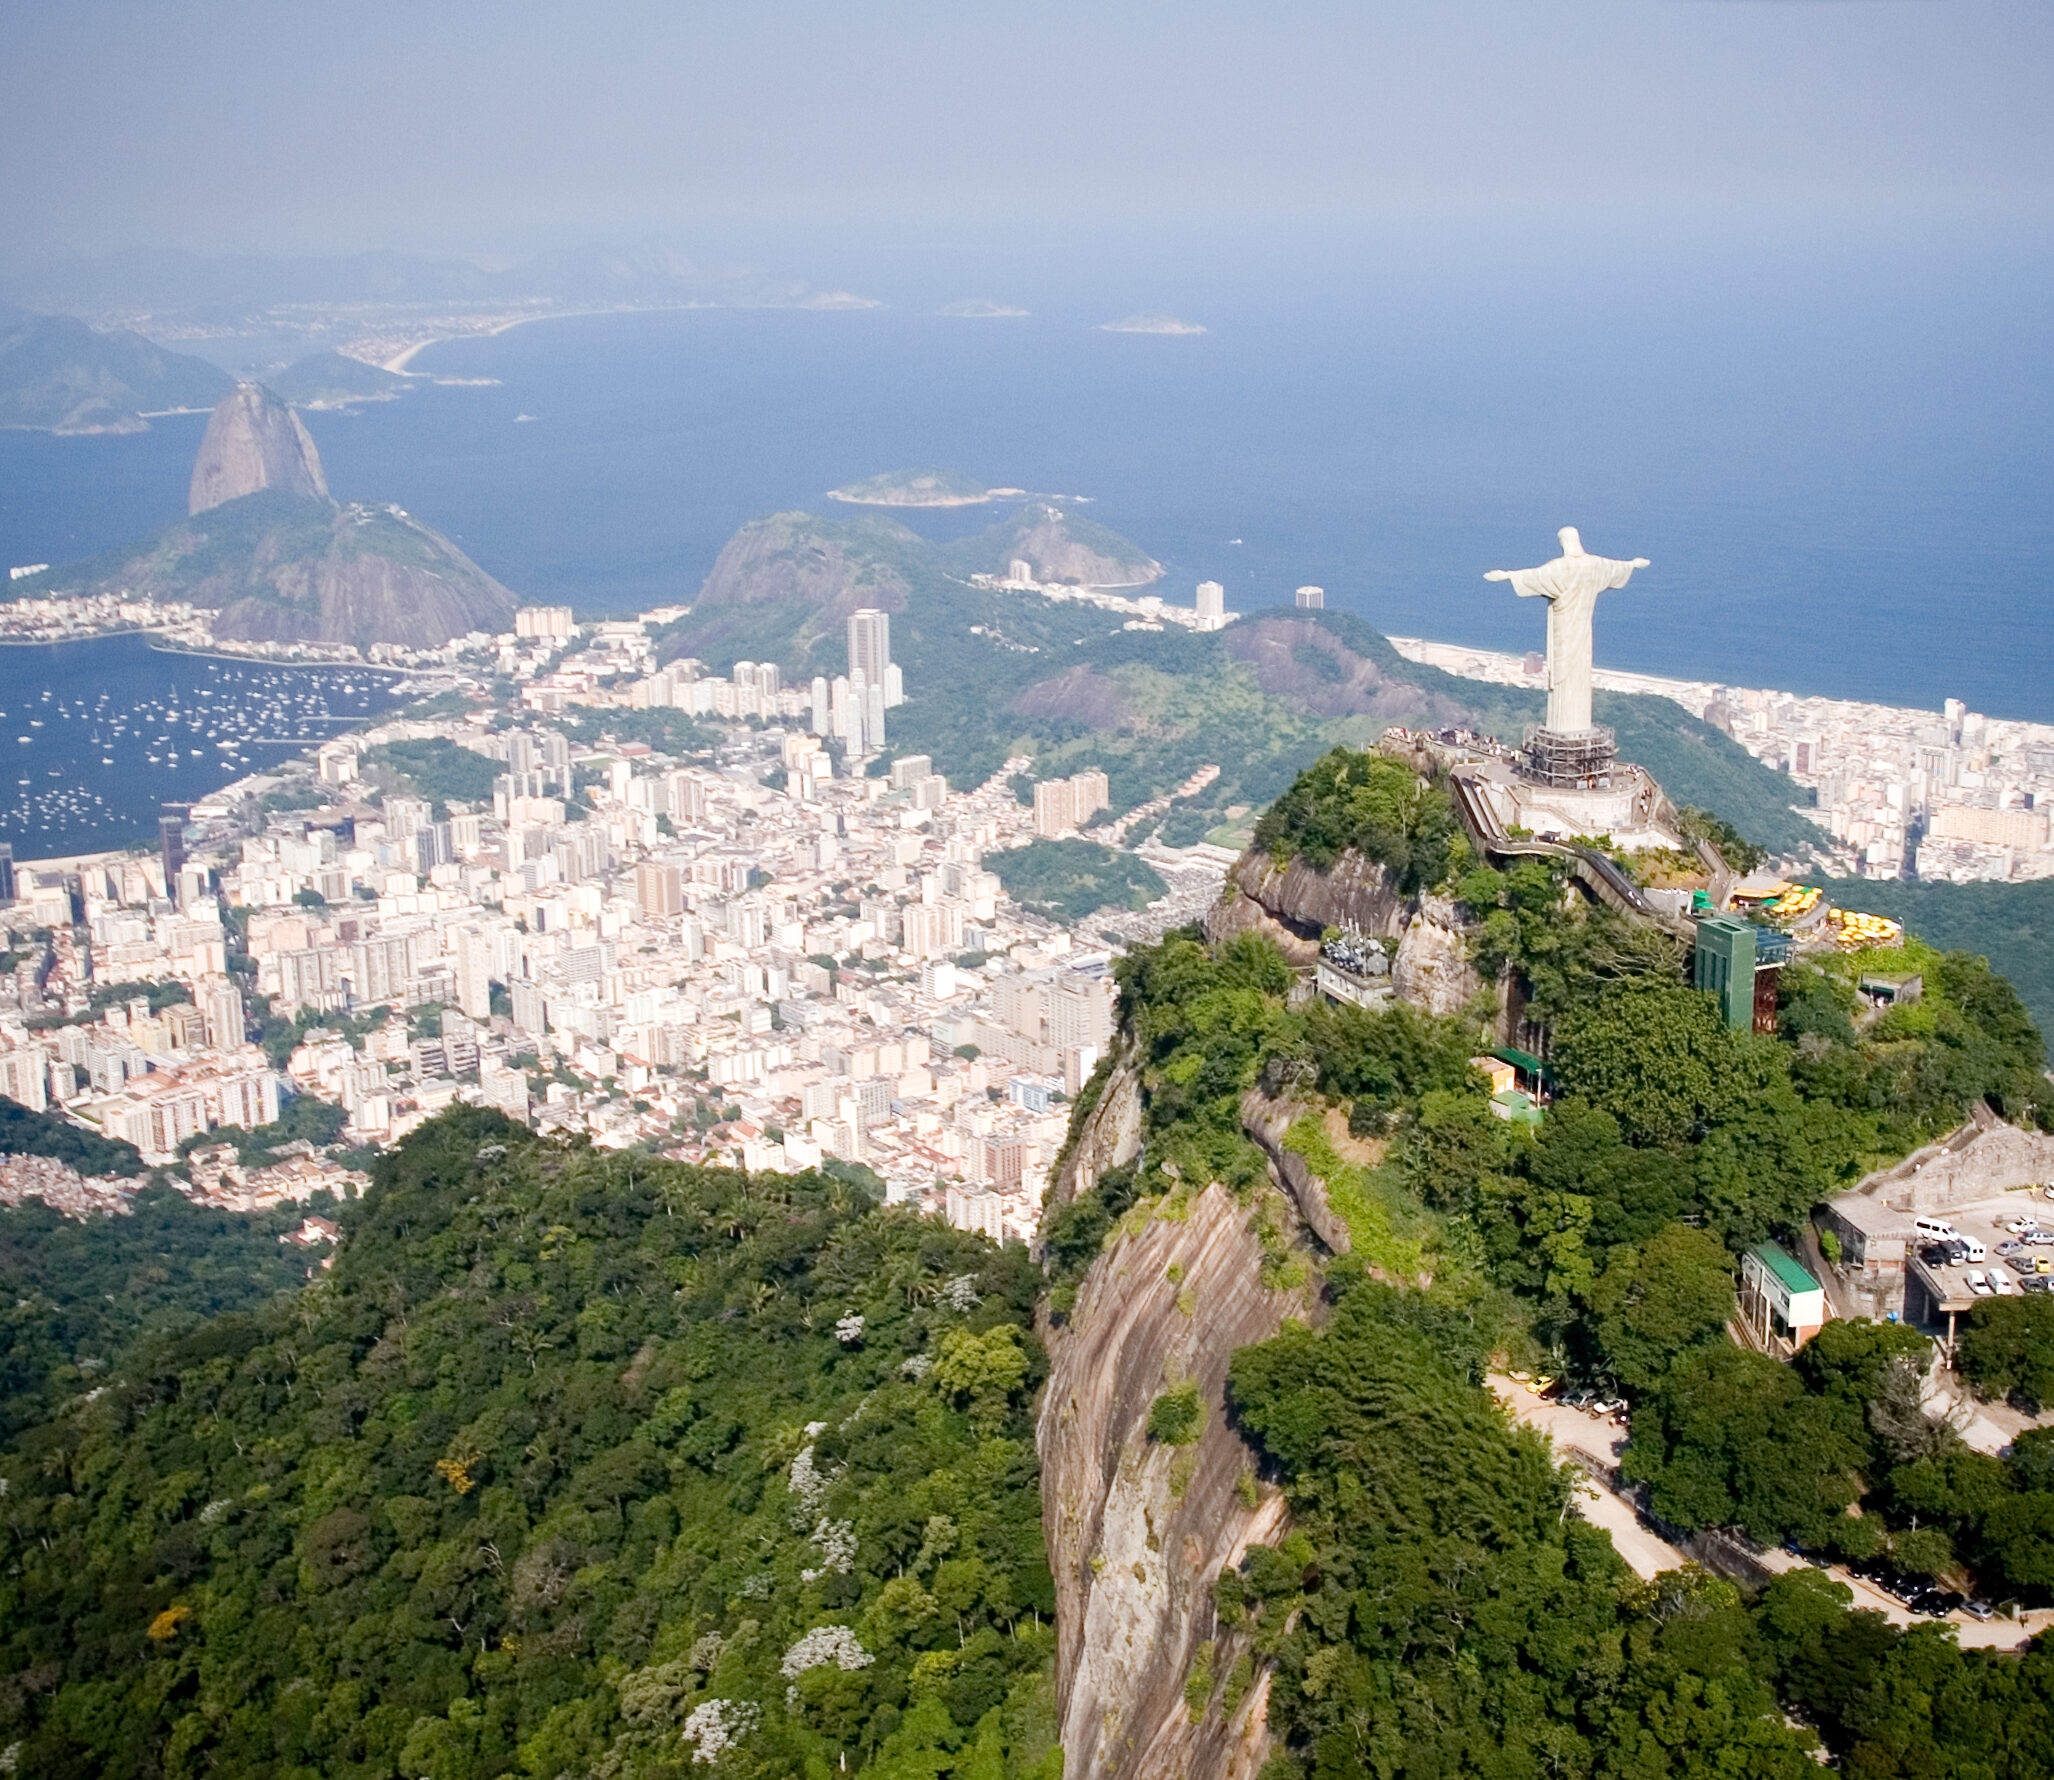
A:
[1570, 759]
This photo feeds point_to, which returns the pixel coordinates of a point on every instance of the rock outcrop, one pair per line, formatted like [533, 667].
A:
[1294, 903]
[1137, 1531]
[1309, 662]
[254, 442]
[786, 584]
[1432, 969]
[1266, 1120]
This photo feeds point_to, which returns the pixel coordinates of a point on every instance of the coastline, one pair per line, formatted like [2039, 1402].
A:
[402, 361]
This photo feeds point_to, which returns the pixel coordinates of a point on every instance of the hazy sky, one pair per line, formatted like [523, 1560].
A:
[267, 125]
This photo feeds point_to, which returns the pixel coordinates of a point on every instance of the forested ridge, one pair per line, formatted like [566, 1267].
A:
[578, 1463]
[1435, 1609]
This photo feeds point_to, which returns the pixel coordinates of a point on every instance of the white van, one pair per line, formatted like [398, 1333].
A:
[1976, 1251]
[1933, 1229]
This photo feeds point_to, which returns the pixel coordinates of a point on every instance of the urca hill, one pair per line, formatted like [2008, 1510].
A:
[278, 559]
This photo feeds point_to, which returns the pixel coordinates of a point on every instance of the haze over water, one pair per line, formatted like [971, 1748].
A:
[1840, 462]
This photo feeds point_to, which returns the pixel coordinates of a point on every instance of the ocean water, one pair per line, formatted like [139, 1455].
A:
[101, 734]
[1841, 463]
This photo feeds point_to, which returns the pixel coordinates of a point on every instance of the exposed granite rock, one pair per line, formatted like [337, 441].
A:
[1304, 660]
[1111, 1136]
[1266, 1120]
[254, 442]
[1137, 1531]
[1294, 904]
[1432, 969]
[786, 584]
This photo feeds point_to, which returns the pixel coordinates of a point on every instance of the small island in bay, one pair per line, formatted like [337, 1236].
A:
[1152, 321]
[983, 309]
[915, 488]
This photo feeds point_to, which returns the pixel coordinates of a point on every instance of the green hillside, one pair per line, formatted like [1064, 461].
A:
[1436, 1606]
[81, 1297]
[578, 1463]
[2012, 925]
[331, 378]
[58, 374]
[279, 565]
[992, 673]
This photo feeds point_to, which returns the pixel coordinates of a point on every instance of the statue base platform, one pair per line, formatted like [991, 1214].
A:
[1570, 759]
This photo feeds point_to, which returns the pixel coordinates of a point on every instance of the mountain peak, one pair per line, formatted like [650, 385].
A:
[253, 442]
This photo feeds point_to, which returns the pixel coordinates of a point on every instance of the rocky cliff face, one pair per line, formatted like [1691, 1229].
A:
[1292, 904]
[1432, 968]
[1137, 1531]
[254, 442]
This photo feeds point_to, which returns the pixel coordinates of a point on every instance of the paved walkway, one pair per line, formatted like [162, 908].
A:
[1646, 1551]
[1648, 1554]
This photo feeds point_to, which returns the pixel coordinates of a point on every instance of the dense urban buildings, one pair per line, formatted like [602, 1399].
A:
[772, 956]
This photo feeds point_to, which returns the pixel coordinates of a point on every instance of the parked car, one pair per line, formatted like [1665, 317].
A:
[2038, 1283]
[2013, 1247]
[2001, 1286]
[1979, 1610]
[1978, 1284]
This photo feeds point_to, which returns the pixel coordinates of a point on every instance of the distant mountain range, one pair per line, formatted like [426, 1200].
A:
[58, 374]
[169, 281]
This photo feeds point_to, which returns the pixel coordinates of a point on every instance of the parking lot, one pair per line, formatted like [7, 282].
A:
[2001, 1247]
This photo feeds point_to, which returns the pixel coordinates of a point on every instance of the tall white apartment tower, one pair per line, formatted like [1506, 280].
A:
[473, 959]
[1212, 605]
[869, 645]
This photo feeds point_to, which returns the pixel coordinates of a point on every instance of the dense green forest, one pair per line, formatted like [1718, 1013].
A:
[25, 1132]
[2010, 924]
[577, 1463]
[1067, 880]
[81, 1297]
[441, 771]
[1434, 1611]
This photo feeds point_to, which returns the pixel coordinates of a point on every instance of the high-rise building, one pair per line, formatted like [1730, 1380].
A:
[822, 720]
[472, 957]
[659, 888]
[1212, 605]
[433, 846]
[552, 623]
[171, 842]
[869, 645]
[1312, 599]
[221, 1009]
[6, 871]
[1063, 804]
[908, 769]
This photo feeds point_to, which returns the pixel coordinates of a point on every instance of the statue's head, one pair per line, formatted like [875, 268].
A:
[1572, 541]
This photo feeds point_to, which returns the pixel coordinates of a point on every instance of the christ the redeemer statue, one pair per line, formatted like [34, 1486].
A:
[1571, 585]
